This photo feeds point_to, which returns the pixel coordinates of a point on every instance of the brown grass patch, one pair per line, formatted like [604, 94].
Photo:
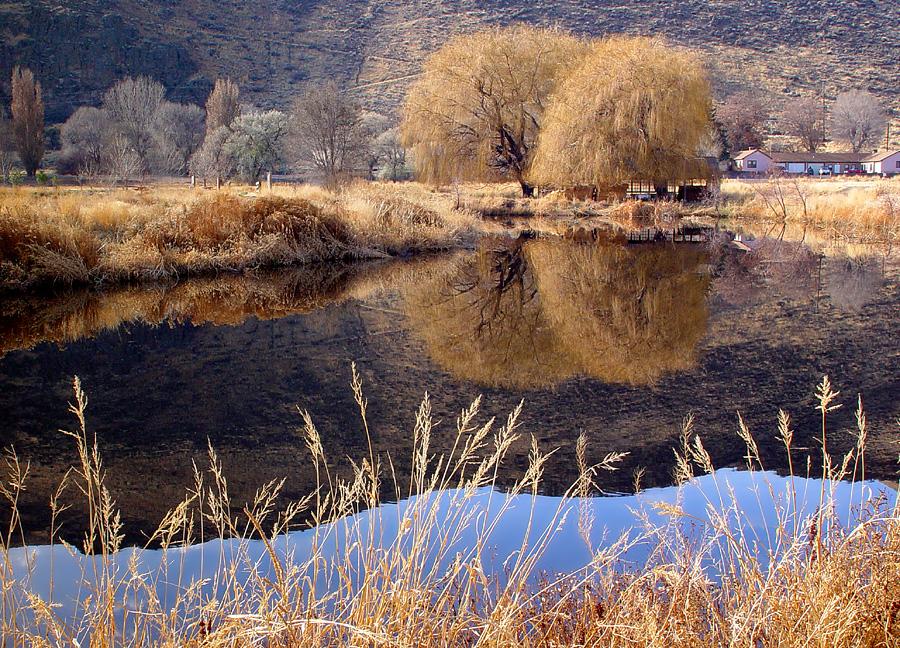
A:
[80, 237]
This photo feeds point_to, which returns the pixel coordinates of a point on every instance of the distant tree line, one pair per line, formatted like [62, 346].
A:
[137, 132]
[858, 121]
[530, 105]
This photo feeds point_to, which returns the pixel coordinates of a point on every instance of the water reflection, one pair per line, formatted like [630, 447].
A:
[854, 282]
[226, 300]
[534, 312]
[621, 341]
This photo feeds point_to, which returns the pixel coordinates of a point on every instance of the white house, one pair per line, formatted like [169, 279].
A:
[816, 163]
[752, 161]
[756, 161]
[883, 163]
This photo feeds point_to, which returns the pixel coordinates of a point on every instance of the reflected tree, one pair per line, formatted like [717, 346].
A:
[534, 313]
[482, 321]
[624, 314]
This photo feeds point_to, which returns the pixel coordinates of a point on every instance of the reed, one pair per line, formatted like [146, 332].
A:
[827, 582]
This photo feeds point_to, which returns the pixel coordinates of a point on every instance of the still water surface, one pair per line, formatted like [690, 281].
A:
[618, 341]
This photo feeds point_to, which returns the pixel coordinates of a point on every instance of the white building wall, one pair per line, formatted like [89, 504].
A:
[890, 165]
[756, 162]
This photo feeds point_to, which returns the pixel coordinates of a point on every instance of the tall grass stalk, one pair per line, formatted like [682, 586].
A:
[424, 573]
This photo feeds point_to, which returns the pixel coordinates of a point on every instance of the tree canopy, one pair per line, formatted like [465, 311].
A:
[476, 111]
[634, 108]
[222, 105]
[328, 130]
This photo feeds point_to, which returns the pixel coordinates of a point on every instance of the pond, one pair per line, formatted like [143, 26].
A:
[618, 340]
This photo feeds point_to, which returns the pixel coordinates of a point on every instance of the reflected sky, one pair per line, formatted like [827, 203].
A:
[767, 514]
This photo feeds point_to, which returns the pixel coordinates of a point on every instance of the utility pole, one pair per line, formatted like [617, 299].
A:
[824, 132]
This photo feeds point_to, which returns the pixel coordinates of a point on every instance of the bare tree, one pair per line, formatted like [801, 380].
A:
[804, 118]
[132, 104]
[391, 156]
[27, 119]
[84, 137]
[711, 144]
[859, 120]
[212, 160]
[123, 162]
[476, 111]
[328, 131]
[743, 117]
[7, 146]
[635, 109]
[223, 105]
[373, 125]
[256, 143]
[177, 133]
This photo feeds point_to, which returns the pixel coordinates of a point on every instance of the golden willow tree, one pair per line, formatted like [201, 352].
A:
[476, 111]
[633, 109]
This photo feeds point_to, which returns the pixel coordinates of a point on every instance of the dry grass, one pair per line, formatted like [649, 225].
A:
[837, 210]
[826, 584]
[78, 236]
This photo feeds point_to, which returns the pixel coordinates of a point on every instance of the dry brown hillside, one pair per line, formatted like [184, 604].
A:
[78, 48]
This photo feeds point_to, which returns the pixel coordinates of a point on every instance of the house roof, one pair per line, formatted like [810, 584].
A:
[815, 158]
[880, 155]
[743, 154]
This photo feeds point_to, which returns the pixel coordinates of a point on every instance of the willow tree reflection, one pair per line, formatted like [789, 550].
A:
[530, 314]
[626, 314]
[482, 320]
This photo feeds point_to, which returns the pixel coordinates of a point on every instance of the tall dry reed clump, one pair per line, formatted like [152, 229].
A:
[78, 238]
[401, 578]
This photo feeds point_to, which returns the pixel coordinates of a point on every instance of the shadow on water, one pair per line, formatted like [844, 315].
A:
[227, 300]
[620, 341]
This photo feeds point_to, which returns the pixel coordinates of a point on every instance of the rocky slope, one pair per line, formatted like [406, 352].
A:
[273, 47]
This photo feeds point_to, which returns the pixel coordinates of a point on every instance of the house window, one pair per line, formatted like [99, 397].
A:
[897, 164]
[751, 164]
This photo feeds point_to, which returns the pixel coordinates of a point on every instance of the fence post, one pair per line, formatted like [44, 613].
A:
[193, 181]
[269, 180]
[218, 184]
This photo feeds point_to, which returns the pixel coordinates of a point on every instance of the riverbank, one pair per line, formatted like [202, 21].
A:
[79, 236]
[93, 236]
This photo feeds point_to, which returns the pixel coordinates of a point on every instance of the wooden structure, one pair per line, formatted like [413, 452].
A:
[685, 234]
[691, 183]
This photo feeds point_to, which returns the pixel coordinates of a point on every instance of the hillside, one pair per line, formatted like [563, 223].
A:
[273, 47]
